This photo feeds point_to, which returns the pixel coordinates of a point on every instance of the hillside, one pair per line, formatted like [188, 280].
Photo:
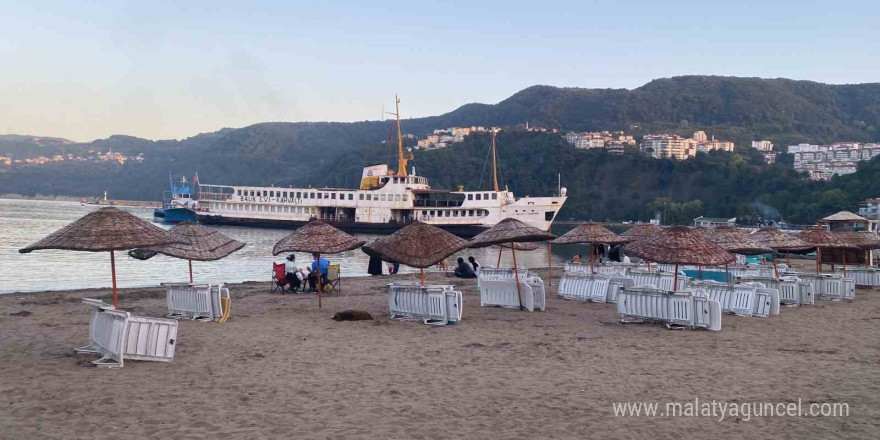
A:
[331, 153]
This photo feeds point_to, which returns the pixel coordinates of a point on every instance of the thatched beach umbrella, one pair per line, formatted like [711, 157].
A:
[781, 242]
[205, 244]
[641, 232]
[821, 238]
[107, 229]
[681, 245]
[864, 240]
[417, 245]
[317, 237]
[591, 233]
[511, 230]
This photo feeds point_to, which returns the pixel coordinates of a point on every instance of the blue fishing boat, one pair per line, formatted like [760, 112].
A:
[177, 204]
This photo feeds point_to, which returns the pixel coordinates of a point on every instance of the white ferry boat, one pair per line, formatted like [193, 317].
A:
[386, 201]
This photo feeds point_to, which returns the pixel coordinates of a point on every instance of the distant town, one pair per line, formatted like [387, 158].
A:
[92, 156]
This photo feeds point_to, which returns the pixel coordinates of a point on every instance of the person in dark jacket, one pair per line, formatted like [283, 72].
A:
[374, 268]
[464, 270]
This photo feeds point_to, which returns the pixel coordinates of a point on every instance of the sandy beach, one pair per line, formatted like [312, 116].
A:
[281, 368]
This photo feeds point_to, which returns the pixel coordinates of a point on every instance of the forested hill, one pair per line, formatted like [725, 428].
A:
[601, 186]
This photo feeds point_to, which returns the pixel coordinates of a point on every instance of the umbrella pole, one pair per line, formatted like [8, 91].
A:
[775, 270]
[113, 272]
[726, 274]
[818, 259]
[867, 254]
[500, 248]
[788, 259]
[843, 255]
[550, 264]
[699, 272]
[591, 259]
[422, 276]
[190, 271]
[318, 276]
[516, 278]
[675, 279]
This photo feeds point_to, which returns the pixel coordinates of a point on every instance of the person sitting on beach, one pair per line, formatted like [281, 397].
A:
[464, 270]
[318, 264]
[576, 258]
[291, 272]
[474, 264]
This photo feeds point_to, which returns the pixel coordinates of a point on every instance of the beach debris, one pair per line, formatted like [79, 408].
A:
[21, 313]
[352, 315]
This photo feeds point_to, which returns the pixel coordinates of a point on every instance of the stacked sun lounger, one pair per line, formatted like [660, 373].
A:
[117, 335]
[202, 302]
[591, 287]
[862, 276]
[431, 304]
[503, 293]
[746, 299]
[828, 286]
[684, 309]
[501, 273]
[792, 290]
[661, 280]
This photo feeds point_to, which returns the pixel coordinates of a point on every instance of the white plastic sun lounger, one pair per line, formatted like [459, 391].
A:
[116, 335]
[436, 305]
[195, 301]
[862, 276]
[500, 273]
[502, 293]
[646, 304]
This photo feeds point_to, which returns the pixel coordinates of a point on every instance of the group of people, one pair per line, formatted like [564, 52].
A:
[296, 276]
[467, 270]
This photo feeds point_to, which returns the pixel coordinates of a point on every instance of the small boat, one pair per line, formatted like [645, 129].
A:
[177, 204]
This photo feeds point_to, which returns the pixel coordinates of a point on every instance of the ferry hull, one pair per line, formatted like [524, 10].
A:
[174, 215]
[348, 226]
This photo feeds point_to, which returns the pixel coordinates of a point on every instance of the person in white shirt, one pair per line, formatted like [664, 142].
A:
[292, 273]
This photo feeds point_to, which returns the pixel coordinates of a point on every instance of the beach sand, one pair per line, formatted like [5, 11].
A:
[281, 368]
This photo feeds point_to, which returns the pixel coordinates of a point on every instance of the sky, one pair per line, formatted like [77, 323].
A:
[85, 70]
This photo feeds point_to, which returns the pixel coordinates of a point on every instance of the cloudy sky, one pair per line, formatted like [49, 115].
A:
[88, 69]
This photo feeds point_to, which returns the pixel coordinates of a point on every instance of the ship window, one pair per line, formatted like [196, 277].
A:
[360, 196]
[439, 213]
[397, 197]
[478, 196]
[494, 196]
[271, 193]
[455, 213]
[470, 213]
[311, 195]
[320, 195]
[431, 213]
[238, 192]
[548, 216]
[369, 197]
[284, 194]
[404, 197]
[470, 196]
[350, 196]
[382, 197]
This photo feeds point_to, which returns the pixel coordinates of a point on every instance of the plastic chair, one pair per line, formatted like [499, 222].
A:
[334, 280]
[279, 278]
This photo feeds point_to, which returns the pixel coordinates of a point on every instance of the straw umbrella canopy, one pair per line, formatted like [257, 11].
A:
[417, 245]
[511, 230]
[780, 242]
[737, 241]
[820, 238]
[205, 244]
[107, 229]
[529, 246]
[591, 233]
[865, 241]
[681, 245]
[703, 231]
[641, 231]
[317, 237]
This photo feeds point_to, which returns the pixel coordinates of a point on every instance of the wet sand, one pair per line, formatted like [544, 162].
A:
[281, 368]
